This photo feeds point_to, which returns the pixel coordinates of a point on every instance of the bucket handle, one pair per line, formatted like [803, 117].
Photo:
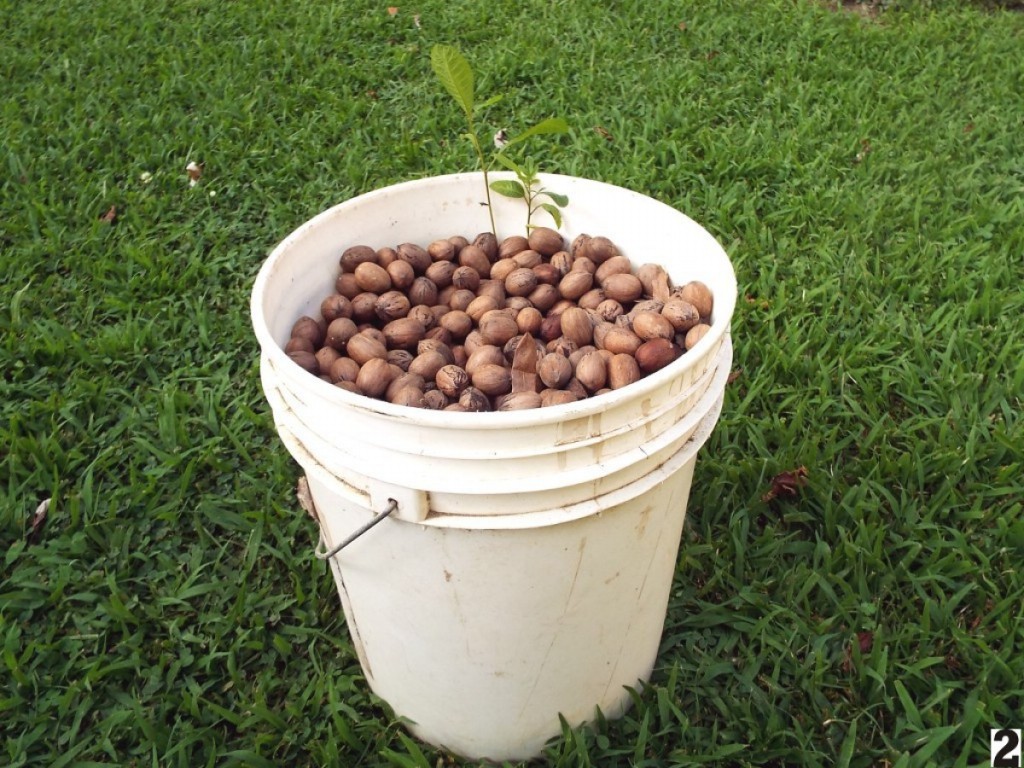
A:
[322, 553]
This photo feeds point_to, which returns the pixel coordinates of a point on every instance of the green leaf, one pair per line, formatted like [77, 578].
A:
[455, 74]
[551, 125]
[560, 200]
[491, 101]
[502, 160]
[509, 188]
[555, 213]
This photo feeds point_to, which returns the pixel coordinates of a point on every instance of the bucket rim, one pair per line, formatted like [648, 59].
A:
[491, 420]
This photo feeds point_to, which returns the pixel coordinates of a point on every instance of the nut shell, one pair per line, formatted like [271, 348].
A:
[546, 241]
[698, 294]
[655, 354]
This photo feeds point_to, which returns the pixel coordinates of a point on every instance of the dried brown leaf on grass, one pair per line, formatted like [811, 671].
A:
[786, 484]
[864, 641]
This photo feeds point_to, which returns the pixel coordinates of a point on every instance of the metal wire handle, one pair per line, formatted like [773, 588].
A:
[326, 555]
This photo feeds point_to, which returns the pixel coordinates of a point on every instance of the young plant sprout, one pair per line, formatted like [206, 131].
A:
[456, 75]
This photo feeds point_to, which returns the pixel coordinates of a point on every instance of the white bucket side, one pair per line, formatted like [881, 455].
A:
[482, 637]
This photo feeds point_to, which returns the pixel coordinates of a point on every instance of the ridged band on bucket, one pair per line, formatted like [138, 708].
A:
[478, 488]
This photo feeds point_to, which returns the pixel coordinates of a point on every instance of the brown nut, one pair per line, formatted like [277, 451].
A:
[391, 306]
[457, 323]
[546, 241]
[466, 278]
[307, 361]
[364, 307]
[326, 357]
[488, 243]
[575, 284]
[554, 370]
[451, 380]
[363, 347]
[308, 328]
[484, 355]
[411, 397]
[621, 340]
[497, 327]
[616, 265]
[339, 332]
[480, 306]
[544, 297]
[441, 250]
[403, 333]
[655, 354]
[400, 357]
[415, 256]
[652, 325]
[374, 376]
[520, 281]
[562, 261]
[335, 306]
[623, 370]
[609, 309]
[512, 245]
[623, 288]
[435, 400]
[346, 285]
[577, 326]
[299, 344]
[492, 379]
[344, 369]
[440, 273]
[372, 277]
[682, 314]
[473, 256]
[427, 364]
[502, 269]
[698, 294]
[549, 397]
[403, 381]
[598, 249]
[436, 345]
[695, 334]
[592, 299]
[473, 400]
[655, 281]
[529, 320]
[423, 291]
[519, 401]
[356, 255]
[592, 372]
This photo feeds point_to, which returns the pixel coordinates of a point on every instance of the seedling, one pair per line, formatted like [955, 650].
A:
[456, 75]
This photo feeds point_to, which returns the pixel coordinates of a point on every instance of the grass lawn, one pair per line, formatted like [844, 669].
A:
[864, 171]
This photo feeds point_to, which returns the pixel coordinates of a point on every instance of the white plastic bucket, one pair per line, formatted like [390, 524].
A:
[481, 630]
[526, 570]
[383, 443]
